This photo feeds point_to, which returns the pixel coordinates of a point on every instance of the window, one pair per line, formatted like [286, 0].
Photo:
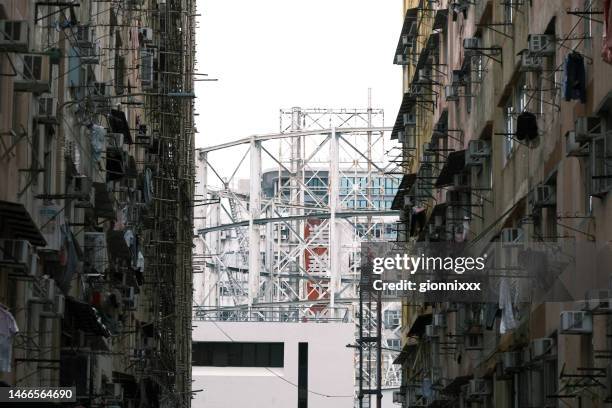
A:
[394, 344]
[119, 74]
[520, 93]
[48, 163]
[391, 319]
[468, 86]
[234, 354]
[517, 102]
[587, 24]
[508, 11]
[478, 62]
[601, 159]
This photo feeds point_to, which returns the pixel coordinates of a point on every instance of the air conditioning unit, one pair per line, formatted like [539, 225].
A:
[59, 306]
[409, 119]
[543, 196]
[572, 146]
[451, 93]
[540, 347]
[479, 387]
[511, 236]
[541, 44]
[89, 55]
[530, 62]
[401, 60]
[14, 36]
[430, 331]
[586, 128]
[116, 140]
[47, 110]
[439, 319]
[83, 35]
[477, 152]
[511, 360]
[471, 43]
[598, 300]
[15, 251]
[33, 70]
[147, 34]
[576, 322]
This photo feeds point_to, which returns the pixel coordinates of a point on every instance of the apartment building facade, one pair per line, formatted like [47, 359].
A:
[96, 198]
[505, 128]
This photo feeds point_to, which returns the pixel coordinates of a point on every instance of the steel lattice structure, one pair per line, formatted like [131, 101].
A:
[287, 248]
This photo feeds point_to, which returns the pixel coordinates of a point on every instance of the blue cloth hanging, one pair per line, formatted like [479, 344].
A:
[574, 79]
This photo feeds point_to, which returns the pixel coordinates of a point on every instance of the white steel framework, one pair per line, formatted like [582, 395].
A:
[286, 247]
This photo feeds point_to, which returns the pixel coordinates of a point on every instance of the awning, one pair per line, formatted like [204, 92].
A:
[409, 29]
[407, 351]
[117, 246]
[85, 317]
[119, 124]
[103, 204]
[440, 129]
[432, 45]
[440, 19]
[16, 223]
[455, 163]
[115, 167]
[454, 387]
[405, 185]
[408, 102]
[418, 327]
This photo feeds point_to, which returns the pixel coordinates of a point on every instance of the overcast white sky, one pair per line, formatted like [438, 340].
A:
[272, 54]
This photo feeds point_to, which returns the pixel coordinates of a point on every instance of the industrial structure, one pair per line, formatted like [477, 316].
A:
[505, 128]
[283, 245]
[96, 201]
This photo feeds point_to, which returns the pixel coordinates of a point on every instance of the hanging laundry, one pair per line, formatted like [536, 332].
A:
[506, 304]
[606, 44]
[98, 141]
[526, 126]
[8, 329]
[574, 78]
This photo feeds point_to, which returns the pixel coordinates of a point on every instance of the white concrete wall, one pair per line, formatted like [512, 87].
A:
[330, 366]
